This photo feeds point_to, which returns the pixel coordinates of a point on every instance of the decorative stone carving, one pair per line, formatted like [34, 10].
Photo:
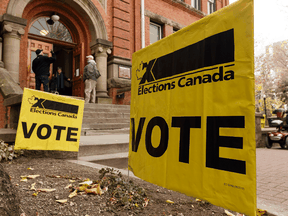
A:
[118, 83]
[12, 29]
[21, 31]
[109, 51]
[100, 49]
[7, 28]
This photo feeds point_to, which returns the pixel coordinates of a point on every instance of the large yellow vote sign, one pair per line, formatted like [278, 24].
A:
[49, 122]
[193, 110]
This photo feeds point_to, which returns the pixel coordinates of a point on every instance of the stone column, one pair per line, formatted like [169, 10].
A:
[101, 50]
[12, 29]
[1, 63]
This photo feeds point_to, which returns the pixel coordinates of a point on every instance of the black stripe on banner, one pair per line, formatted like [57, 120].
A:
[57, 106]
[214, 50]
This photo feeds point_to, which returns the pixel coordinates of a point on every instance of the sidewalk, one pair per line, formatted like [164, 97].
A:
[271, 168]
[272, 180]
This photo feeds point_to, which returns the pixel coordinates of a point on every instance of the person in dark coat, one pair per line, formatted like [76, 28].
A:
[58, 81]
[41, 67]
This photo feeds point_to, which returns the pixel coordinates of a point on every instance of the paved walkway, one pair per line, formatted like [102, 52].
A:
[272, 180]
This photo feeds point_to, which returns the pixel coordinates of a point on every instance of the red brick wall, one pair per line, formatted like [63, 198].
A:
[112, 92]
[121, 28]
[3, 6]
[2, 112]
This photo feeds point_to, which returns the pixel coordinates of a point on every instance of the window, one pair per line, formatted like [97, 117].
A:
[211, 6]
[55, 31]
[155, 32]
[196, 4]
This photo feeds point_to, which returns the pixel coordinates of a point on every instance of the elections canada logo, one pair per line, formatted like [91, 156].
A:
[207, 61]
[53, 108]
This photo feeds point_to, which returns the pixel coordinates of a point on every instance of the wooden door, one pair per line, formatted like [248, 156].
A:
[33, 45]
[78, 68]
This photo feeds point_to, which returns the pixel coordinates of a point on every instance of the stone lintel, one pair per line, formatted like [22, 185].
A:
[102, 43]
[119, 91]
[119, 61]
[13, 100]
[116, 82]
[13, 19]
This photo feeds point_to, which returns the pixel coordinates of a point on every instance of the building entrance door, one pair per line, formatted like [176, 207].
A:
[66, 57]
[33, 45]
[69, 55]
[78, 58]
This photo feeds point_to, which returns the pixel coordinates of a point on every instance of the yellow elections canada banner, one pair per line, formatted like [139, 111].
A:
[193, 110]
[49, 122]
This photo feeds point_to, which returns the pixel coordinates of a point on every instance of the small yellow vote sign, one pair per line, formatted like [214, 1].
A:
[193, 110]
[49, 122]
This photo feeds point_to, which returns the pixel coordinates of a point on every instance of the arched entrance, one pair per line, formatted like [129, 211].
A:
[49, 35]
[86, 26]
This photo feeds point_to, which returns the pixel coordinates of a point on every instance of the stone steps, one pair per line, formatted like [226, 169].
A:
[105, 117]
[8, 135]
[103, 144]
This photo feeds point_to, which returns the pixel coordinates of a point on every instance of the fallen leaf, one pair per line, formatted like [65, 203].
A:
[73, 194]
[99, 191]
[261, 212]
[145, 202]
[70, 180]
[68, 186]
[198, 200]
[33, 187]
[229, 213]
[46, 190]
[105, 189]
[91, 191]
[62, 201]
[29, 168]
[169, 201]
[35, 194]
[30, 176]
[23, 179]
[136, 204]
[86, 182]
[83, 187]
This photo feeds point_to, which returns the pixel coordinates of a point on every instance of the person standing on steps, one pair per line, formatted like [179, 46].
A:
[41, 67]
[57, 84]
[90, 76]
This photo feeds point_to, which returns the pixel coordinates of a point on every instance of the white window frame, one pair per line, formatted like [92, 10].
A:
[160, 30]
[211, 4]
[196, 4]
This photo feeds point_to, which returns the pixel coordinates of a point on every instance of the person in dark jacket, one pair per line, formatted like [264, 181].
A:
[58, 81]
[41, 66]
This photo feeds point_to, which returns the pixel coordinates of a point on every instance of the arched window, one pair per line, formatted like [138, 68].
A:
[56, 31]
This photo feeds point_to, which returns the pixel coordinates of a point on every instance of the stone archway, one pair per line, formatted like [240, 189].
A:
[95, 20]
[99, 45]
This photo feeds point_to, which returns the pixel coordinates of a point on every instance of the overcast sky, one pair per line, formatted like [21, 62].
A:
[271, 22]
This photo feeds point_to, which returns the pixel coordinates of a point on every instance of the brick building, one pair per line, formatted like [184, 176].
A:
[110, 30]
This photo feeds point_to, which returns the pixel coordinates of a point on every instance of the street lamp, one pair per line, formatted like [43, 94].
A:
[264, 97]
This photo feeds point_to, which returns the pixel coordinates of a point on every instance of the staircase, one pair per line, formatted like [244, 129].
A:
[102, 118]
